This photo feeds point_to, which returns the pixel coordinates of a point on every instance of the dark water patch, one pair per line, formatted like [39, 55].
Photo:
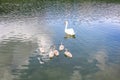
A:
[34, 7]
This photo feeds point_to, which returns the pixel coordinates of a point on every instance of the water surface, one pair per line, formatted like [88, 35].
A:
[28, 25]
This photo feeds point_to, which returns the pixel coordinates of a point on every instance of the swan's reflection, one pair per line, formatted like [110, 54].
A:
[69, 36]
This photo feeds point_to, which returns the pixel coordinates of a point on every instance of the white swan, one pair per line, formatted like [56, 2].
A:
[51, 54]
[67, 53]
[61, 47]
[55, 51]
[42, 50]
[69, 31]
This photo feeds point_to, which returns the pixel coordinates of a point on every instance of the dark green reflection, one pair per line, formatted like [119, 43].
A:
[27, 7]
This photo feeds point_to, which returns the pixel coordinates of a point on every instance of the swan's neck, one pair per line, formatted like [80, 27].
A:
[66, 25]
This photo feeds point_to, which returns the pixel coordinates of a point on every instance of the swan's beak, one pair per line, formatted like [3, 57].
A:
[66, 22]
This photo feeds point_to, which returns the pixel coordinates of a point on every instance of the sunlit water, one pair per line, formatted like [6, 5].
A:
[95, 48]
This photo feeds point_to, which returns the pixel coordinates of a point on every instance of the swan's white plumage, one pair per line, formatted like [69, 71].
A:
[42, 50]
[56, 53]
[61, 47]
[51, 54]
[69, 31]
[68, 54]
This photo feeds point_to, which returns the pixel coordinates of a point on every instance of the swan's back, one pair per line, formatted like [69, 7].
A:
[70, 31]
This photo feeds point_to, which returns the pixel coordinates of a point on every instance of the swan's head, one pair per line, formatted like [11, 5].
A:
[66, 22]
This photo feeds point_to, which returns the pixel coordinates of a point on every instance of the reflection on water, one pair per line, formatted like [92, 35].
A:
[69, 36]
[19, 39]
[29, 25]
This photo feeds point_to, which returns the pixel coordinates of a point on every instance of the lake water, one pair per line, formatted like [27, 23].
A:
[25, 26]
